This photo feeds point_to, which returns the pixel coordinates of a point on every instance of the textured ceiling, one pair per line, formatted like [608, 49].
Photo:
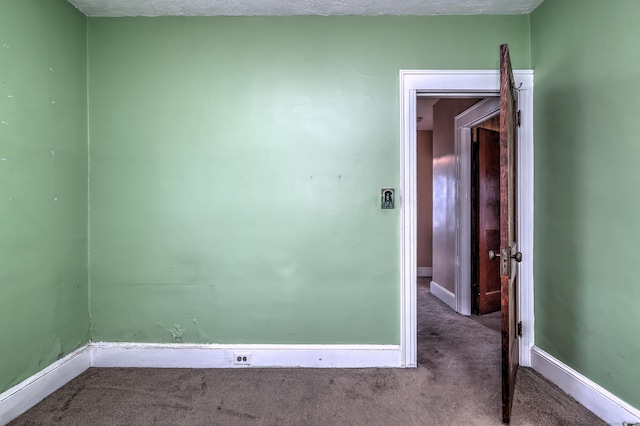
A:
[302, 7]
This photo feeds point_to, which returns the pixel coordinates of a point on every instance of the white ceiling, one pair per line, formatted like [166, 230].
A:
[302, 7]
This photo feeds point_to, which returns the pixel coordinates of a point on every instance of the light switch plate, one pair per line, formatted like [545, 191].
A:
[387, 198]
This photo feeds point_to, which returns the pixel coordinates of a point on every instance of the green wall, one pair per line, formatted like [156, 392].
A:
[43, 185]
[587, 156]
[235, 173]
[236, 167]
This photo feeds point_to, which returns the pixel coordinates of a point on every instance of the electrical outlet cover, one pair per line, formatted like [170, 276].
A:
[242, 358]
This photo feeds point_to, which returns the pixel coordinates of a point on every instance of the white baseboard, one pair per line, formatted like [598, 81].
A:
[31, 391]
[425, 271]
[28, 393]
[152, 355]
[34, 389]
[443, 294]
[598, 400]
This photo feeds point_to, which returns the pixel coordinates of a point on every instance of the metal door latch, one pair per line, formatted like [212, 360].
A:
[505, 257]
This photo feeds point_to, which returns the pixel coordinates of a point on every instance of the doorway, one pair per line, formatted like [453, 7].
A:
[439, 122]
[460, 84]
[436, 171]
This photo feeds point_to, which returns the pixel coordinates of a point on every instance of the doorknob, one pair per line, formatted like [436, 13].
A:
[517, 257]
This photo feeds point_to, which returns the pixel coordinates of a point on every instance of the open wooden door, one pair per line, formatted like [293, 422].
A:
[485, 194]
[509, 255]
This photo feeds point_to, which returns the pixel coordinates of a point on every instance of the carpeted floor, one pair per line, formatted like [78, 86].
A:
[457, 382]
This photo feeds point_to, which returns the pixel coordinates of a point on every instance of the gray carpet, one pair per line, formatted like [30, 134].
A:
[457, 382]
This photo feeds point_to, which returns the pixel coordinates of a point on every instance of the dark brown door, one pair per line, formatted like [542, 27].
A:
[508, 238]
[487, 206]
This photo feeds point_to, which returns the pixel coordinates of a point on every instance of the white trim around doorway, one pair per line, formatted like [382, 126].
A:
[456, 84]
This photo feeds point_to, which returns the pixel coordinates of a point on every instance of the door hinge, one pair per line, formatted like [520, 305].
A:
[518, 118]
[520, 329]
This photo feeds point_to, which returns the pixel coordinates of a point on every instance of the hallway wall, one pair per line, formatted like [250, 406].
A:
[424, 159]
[444, 189]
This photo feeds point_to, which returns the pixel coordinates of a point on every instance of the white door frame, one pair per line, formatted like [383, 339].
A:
[461, 83]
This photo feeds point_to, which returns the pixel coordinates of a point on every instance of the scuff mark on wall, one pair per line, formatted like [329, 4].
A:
[202, 336]
[50, 69]
[61, 353]
[56, 352]
[177, 332]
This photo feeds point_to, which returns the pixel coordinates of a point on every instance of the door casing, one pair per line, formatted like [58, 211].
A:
[452, 83]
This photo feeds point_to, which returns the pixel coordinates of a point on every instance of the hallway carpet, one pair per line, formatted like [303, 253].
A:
[457, 382]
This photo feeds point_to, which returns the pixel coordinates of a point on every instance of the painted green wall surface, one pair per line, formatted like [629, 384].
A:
[236, 167]
[43, 185]
[235, 173]
[587, 153]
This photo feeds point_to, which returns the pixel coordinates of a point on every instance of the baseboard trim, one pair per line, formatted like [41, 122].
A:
[594, 397]
[18, 399]
[152, 355]
[443, 294]
[425, 271]
[29, 392]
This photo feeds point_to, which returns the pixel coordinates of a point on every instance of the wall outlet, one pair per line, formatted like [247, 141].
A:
[242, 358]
